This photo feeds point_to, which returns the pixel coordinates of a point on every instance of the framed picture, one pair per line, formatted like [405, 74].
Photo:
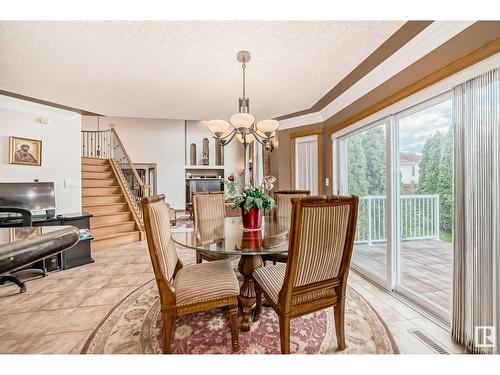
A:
[25, 151]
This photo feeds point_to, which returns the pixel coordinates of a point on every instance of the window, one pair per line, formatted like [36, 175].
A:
[402, 170]
[306, 163]
[366, 177]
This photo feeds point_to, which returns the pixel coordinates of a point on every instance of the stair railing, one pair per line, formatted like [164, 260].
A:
[135, 188]
[96, 144]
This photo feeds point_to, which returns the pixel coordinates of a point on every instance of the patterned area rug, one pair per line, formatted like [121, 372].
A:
[134, 326]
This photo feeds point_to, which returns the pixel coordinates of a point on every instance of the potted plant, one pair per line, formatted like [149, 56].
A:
[251, 200]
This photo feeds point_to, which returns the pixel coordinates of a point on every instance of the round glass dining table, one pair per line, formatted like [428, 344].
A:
[227, 237]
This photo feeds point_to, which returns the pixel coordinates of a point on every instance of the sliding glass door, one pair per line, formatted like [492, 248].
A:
[365, 176]
[425, 138]
[402, 170]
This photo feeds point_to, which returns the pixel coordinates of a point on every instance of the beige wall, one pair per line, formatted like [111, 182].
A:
[60, 137]
[152, 141]
[281, 158]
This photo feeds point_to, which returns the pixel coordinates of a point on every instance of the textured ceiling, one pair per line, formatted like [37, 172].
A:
[183, 70]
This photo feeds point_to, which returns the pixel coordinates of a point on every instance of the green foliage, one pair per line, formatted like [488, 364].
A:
[374, 146]
[356, 159]
[253, 197]
[436, 175]
[366, 158]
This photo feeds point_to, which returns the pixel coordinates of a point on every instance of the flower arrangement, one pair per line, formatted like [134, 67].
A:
[247, 197]
[251, 200]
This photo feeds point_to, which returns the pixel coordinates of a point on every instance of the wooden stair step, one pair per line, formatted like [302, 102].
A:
[95, 161]
[116, 239]
[108, 219]
[110, 182]
[96, 168]
[108, 208]
[102, 199]
[99, 191]
[97, 175]
[104, 231]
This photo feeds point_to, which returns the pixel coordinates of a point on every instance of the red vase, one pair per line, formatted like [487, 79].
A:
[251, 240]
[251, 218]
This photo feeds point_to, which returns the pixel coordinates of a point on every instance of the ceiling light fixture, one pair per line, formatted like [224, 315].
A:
[242, 124]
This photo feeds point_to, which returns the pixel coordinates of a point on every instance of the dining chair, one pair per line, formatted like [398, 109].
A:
[319, 254]
[208, 207]
[283, 213]
[190, 289]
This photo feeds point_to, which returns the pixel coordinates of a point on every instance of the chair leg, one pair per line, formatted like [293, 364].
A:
[258, 301]
[14, 279]
[285, 334]
[198, 257]
[339, 312]
[233, 323]
[168, 328]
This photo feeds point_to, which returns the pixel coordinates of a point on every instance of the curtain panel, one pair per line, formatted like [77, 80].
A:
[476, 279]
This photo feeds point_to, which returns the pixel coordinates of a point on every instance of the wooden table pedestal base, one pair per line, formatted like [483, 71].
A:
[247, 264]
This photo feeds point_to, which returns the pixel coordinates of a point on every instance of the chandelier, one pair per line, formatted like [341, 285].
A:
[242, 124]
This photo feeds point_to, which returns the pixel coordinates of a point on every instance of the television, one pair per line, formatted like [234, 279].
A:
[38, 197]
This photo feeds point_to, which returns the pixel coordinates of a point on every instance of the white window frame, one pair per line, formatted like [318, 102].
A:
[339, 164]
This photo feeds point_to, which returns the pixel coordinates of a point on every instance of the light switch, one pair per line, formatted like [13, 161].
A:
[71, 183]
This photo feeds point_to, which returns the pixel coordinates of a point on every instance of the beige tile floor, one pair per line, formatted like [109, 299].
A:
[58, 313]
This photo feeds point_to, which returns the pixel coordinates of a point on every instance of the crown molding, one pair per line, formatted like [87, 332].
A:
[426, 41]
[40, 110]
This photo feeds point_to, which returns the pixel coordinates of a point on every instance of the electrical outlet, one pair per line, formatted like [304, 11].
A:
[327, 181]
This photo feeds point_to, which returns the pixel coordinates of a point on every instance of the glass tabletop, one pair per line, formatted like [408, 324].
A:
[227, 236]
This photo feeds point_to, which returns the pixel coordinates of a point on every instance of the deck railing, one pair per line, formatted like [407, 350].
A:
[106, 144]
[419, 218]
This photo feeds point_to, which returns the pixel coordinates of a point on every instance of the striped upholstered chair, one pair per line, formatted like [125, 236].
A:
[191, 289]
[208, 208]
[319, 255]
[283, 213]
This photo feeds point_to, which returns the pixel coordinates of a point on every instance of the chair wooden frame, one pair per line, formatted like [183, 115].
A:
[283, 257]
[284, 308]
[200, 255]
[169, 309]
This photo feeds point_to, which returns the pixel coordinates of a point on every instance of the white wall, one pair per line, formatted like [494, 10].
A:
[233, 152]
[152, 141]
[60, 148]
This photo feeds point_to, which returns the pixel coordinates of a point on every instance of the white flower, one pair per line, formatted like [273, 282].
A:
[215, 323]
[183, 331]
[255, 348]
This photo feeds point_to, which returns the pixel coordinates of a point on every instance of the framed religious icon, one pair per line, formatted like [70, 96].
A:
[25, 151]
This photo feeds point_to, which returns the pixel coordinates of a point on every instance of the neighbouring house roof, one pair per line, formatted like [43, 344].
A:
[410, 157]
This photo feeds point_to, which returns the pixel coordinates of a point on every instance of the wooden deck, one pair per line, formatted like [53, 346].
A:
[426, 267]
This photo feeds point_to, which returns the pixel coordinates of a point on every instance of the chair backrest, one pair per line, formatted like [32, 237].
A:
[208, 206]
[321, 241]
[283, 200]
[25, 214]
[161, 247]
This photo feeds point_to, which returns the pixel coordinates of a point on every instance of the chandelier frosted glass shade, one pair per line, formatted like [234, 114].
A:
[242, 120]
[218, 127]
[249, 138]
[267, 126]
[263, 135]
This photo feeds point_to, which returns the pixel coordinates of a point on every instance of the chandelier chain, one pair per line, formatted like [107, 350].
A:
[243, 67]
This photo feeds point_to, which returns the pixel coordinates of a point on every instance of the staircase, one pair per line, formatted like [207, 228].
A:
[113, 222]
